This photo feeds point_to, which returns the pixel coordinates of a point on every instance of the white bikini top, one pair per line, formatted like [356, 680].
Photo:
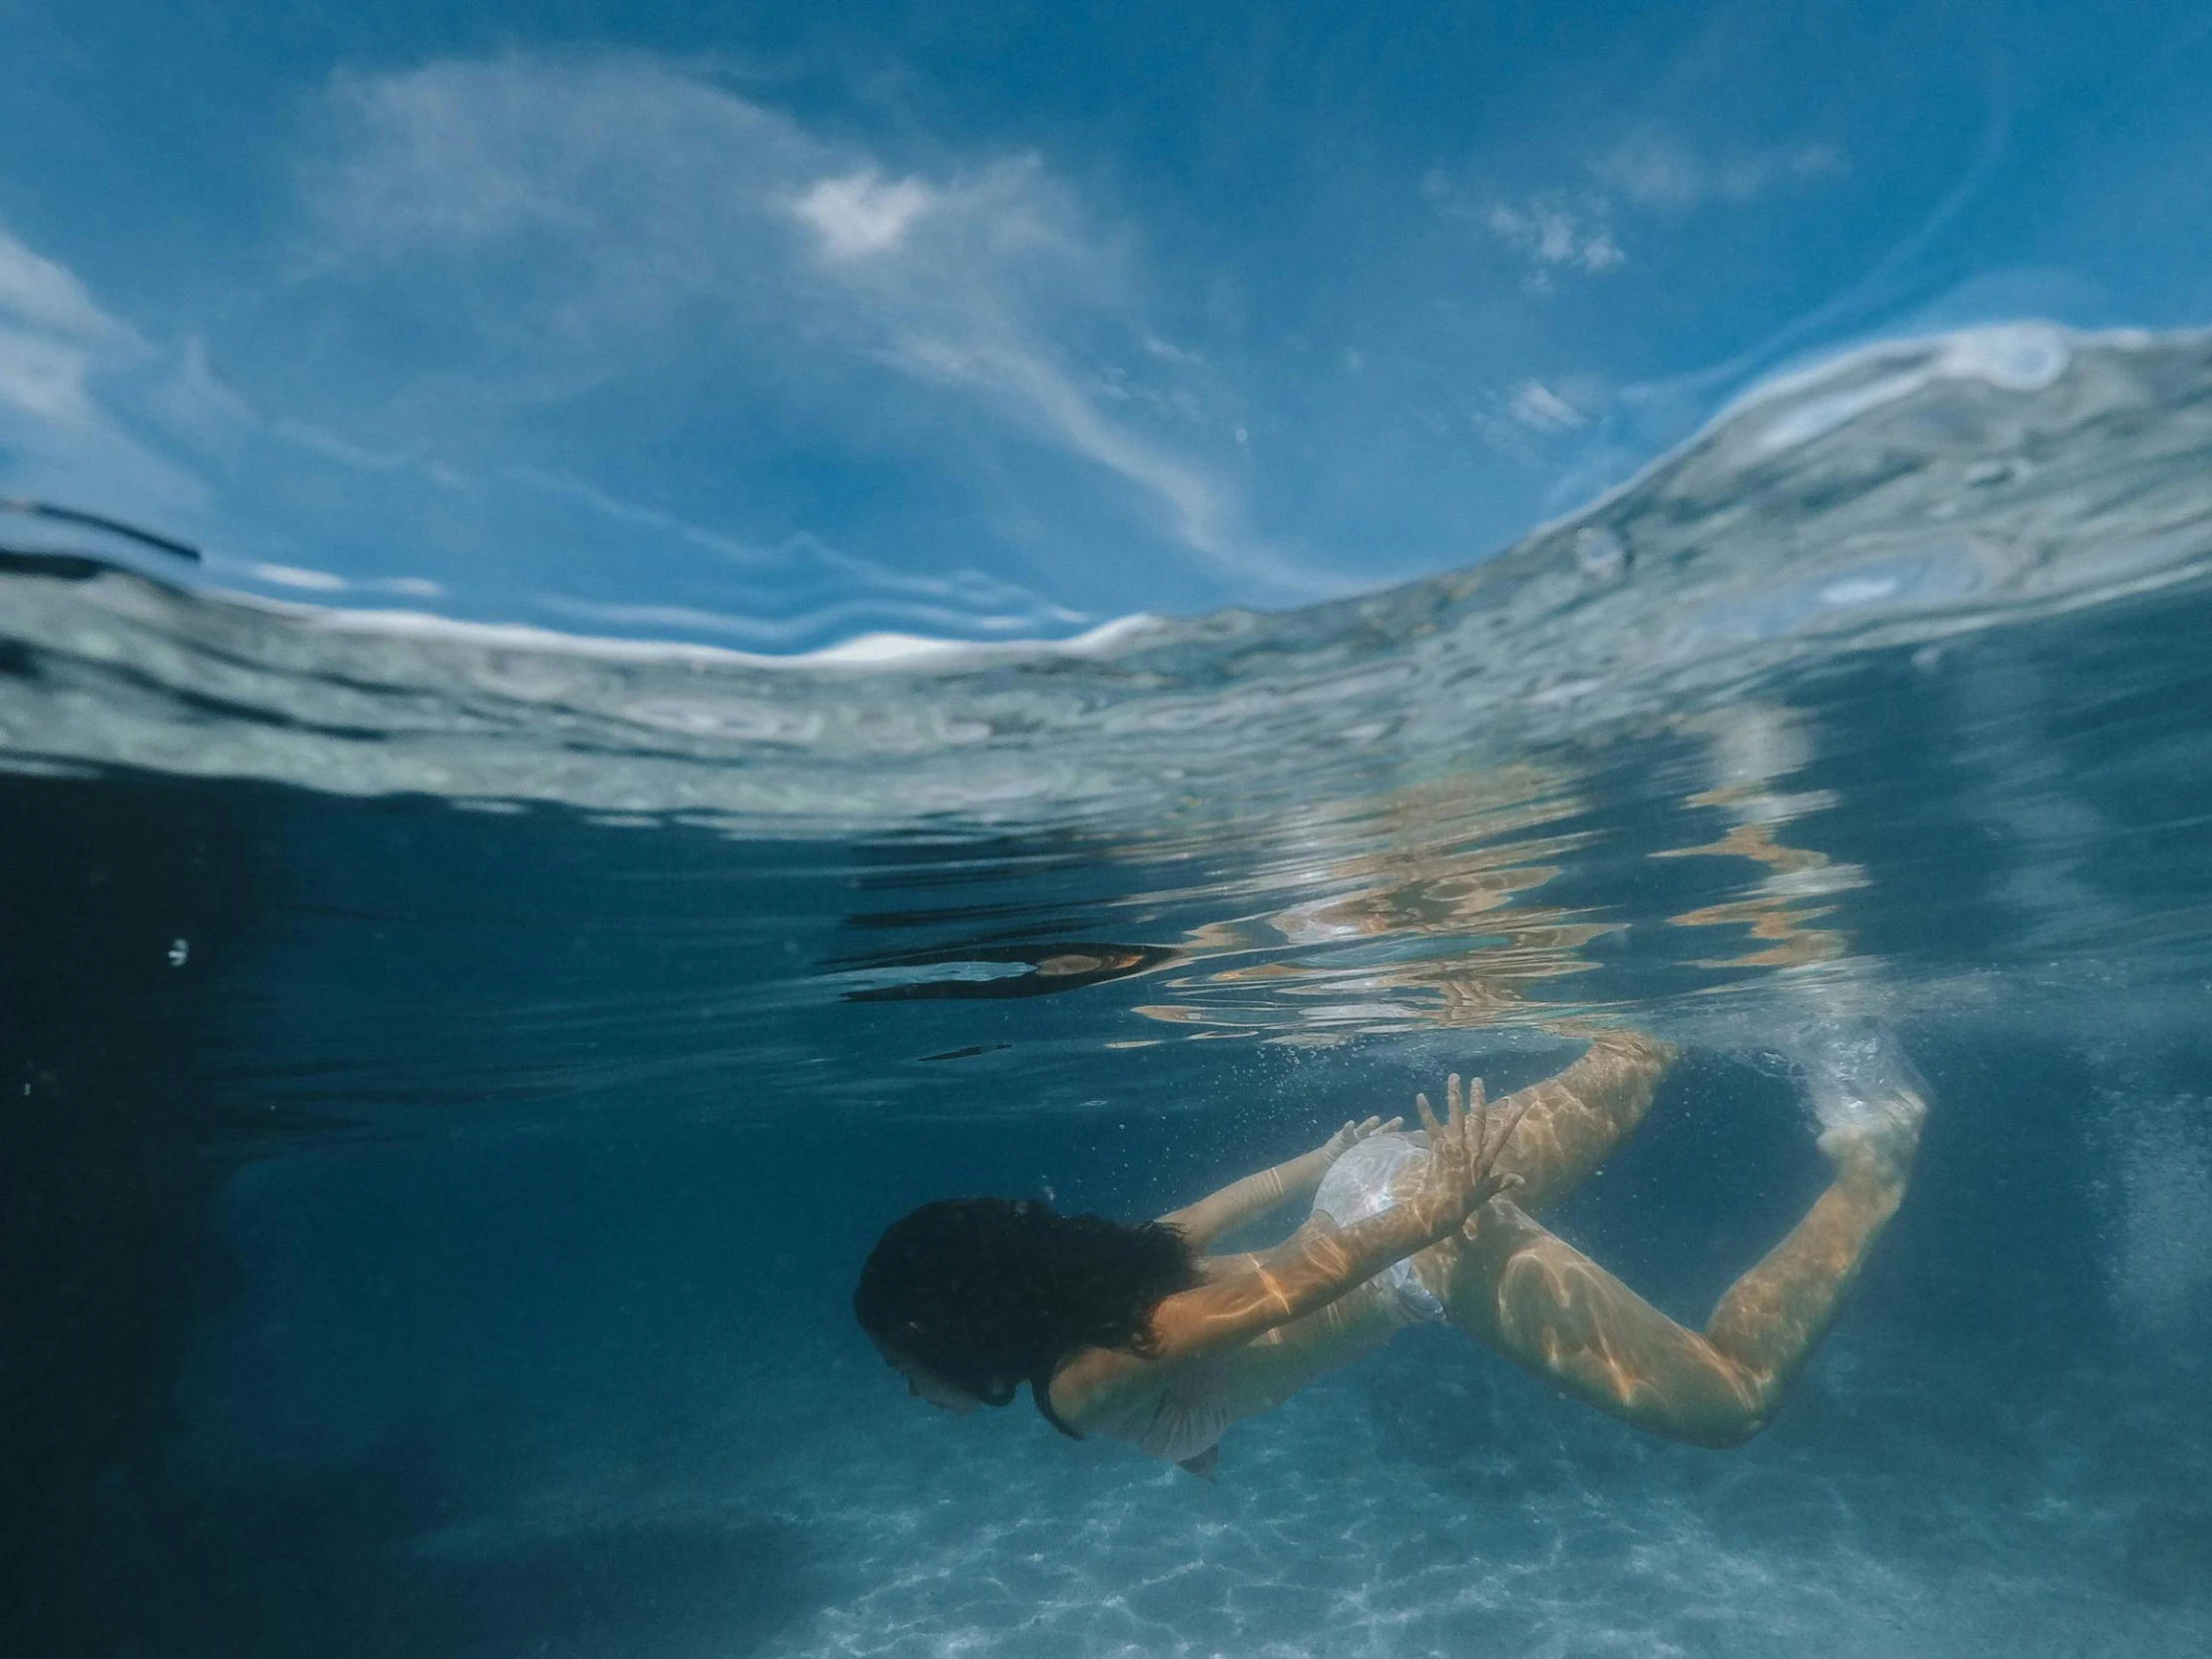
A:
[1188, 1420]
[1184, 1422]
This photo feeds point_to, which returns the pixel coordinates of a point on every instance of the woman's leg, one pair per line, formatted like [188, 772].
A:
[1558, 1314]
[1577, 1118]
[1573, 1120]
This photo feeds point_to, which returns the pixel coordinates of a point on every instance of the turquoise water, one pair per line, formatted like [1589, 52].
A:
[460, 1072]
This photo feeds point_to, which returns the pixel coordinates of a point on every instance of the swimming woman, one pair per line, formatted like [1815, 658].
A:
[1136, 1333]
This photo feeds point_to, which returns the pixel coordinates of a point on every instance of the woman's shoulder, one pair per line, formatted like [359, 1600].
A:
[1092, 1385]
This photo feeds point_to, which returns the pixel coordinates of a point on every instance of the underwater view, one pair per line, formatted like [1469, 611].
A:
[981, 830]
[462, 1072]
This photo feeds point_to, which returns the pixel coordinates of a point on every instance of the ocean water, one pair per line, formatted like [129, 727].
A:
[454, 1074]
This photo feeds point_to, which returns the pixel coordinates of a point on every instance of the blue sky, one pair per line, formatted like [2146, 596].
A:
[768, 325]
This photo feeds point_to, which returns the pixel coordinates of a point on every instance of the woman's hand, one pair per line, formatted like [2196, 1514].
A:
[1461, 1174]
[1351, 1134]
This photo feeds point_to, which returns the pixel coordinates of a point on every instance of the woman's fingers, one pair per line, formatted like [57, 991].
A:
[1453, 1144]
[1460, 1147]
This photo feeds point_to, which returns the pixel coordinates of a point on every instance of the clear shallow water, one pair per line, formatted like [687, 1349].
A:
[463, 1072]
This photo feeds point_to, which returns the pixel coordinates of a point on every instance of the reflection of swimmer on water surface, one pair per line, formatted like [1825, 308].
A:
[1066, 965]
[1031, 970]
[1444, 874]
[1463, 903]
[1133, 1332]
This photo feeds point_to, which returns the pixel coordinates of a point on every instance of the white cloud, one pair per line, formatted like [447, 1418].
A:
[1541, 426]
[1556, 232]
[1553, 231]
[61, 437]
[298, 576]
[53, 337]
[1167, 351]
[38, 295]
[615, 198]
[93, 415]
[858, 214]
[797, 590]
[1656, 171]
[1575, 232]
[851, 618]
[44, 377]
[1536, 406]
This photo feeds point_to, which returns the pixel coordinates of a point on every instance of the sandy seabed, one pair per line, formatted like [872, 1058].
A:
[1429, 1502]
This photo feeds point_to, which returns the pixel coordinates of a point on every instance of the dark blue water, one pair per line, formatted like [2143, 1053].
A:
[453, 1082]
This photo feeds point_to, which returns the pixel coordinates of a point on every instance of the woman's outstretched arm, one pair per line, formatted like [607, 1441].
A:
[1318, 1264]
[1573, 1121]
[1269, 1189]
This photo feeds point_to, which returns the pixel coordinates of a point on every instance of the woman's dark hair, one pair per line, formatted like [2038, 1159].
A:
[991, 1292]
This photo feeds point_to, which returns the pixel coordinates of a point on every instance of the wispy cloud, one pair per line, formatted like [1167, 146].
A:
[1577, 232]
[1527, 419]
[605, 200]
[93, 414]
[1552, 232]
[35, 292]
[1537, 406]
[59, 435]
[799, 593]
[51, 337]
[1657, 171]
[859, 213]
[1557, 232]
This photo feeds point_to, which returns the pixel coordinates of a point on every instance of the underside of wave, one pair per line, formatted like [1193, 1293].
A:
[1911, 491]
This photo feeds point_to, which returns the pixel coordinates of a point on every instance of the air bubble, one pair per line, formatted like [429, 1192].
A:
[1601, 553]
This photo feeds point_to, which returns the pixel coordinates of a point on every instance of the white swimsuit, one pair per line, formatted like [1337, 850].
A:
[1186, 1421]
[1359, 1185]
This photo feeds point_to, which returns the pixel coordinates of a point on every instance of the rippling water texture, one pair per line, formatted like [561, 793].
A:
[461, 1070]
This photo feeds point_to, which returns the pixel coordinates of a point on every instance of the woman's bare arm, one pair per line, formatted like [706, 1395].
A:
[1318, 1264]
[1254, 1195]
[1576, 1120]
